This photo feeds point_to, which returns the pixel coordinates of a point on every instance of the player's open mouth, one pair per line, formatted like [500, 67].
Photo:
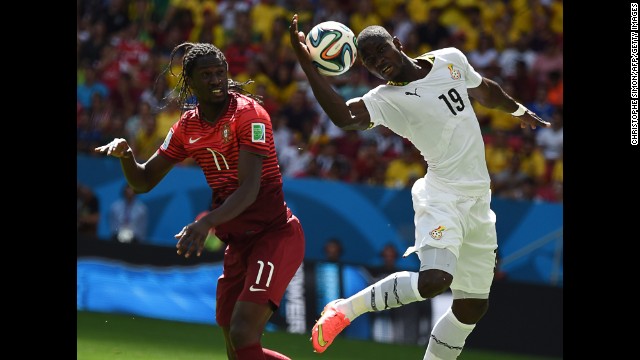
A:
[216, 91]
[386, 70]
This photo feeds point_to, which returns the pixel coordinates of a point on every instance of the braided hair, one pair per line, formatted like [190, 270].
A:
[192, 52]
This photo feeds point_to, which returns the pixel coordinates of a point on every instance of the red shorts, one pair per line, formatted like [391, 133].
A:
[259, 273]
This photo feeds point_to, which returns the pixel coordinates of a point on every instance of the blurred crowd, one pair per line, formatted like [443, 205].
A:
[125, 88]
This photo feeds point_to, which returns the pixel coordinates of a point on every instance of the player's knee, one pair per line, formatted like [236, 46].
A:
[469, 311]
[433, 282]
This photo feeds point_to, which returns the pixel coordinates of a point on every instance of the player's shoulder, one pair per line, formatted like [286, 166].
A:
[188, 116]
[247, 104]
[243, 100]
[447, 53]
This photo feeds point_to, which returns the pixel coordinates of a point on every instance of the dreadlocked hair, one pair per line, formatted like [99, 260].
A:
[192, 52]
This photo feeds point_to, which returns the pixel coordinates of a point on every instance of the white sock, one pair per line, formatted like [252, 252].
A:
[395, 290]
[447, 338]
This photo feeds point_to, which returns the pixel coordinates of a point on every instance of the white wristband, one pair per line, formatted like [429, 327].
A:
[520, 111]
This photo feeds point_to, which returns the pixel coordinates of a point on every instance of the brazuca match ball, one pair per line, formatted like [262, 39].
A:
[333, 47]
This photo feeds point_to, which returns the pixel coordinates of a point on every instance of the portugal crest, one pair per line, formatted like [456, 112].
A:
[226, 133]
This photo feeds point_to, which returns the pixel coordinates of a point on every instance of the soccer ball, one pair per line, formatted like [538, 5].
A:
[333, 47]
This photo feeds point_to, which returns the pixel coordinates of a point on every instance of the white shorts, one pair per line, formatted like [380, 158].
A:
[466, 226]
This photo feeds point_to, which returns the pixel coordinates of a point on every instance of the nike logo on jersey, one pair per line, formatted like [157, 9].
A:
[415, 92]
[251, 288]
[191, 141]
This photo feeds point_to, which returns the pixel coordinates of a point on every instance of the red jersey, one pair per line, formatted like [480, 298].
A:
[215, 147]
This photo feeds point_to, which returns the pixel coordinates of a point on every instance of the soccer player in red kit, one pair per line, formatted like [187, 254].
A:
[229, 134]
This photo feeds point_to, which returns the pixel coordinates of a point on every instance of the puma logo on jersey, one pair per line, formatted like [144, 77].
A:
[415, 92]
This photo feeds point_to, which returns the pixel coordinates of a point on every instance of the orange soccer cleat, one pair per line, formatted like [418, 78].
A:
[330, 324]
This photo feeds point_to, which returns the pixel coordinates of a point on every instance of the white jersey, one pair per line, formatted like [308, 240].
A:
[436, 115]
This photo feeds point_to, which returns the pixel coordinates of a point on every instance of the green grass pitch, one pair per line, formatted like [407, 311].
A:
[102, 336]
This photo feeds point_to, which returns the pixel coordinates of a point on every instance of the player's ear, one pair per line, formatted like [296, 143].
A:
[397, 43]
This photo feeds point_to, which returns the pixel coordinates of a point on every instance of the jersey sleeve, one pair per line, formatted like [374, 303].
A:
[254, 131]
[472, 77]
[173, 146]
[379, 107]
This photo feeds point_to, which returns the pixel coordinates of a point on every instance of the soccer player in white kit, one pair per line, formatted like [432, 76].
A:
[426, 100]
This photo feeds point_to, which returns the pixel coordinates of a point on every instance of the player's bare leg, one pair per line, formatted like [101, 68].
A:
[247, 326]
[231, 353]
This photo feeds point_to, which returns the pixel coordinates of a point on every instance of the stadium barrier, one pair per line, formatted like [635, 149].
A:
[530, 234]
[152, 281]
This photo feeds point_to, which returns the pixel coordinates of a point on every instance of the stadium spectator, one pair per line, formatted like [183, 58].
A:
[159, 26]
[366, 164]
[148, 138]
[125, 97]
[295, 157]
[228, 11]
[523, 83]
[555, 88]
[540, 104]
[509, 180]
[92, 44]
[88, 136]
[157, 96]
[532, 160]
[253, 71]
[330, 10]
[207, 27]
[229, 135]
[299, 114]
[432, 32]
[87, 211]
[549, 60]
[363, 16]
[167, 116]
[551, 141]
[403, 171]
[485, 55]
[128, 218]
[399, 20]
[134, 122]
[390, 145]
[497, 152]
[332, 250]
[92, 85]
[518, 51]
[348, 144]
[327, 155]
[264, 13]
[116, 16]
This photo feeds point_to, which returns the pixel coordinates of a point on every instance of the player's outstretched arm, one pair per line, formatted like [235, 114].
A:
[490, 94]
[332, 103]
[141, 177]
